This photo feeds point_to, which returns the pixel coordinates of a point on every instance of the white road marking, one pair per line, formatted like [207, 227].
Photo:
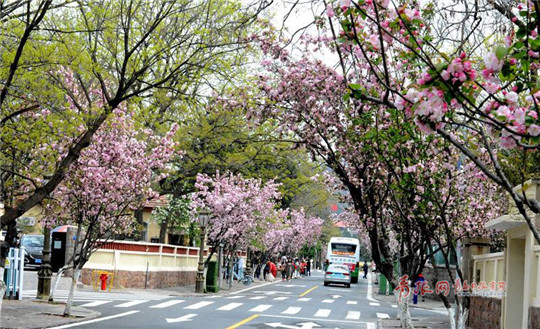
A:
[260, 308]
[230, 306]
[168, 303]
[370, 325]
[257, 297]
[374, 304]
[352, 302]
[132, 303]
[353, 315]
[323, 313]
[259, 286]
[317, 319]
[235, 297]
[292, 310]
[183, 318]
[304, 299]
[394, 306]
[96, 303]
[281, 298]
[96, 320]
[328, 301]
[198, 305]
[370, 290]
[383, 316]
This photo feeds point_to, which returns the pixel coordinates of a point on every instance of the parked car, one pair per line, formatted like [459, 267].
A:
[336, 273]
[33, 247]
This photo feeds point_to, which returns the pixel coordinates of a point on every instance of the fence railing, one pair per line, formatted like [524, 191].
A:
[488, 268]
[14, 273]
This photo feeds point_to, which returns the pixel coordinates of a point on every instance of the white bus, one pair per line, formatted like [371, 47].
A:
[345, 251]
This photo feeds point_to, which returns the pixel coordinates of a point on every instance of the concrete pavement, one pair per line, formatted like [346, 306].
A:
[33, 313]
[437, 322]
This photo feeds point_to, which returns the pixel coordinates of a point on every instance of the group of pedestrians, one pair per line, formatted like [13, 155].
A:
[288, 267]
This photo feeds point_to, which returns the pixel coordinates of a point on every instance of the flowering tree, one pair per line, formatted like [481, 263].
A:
[290, 233]
[111, 179]
[244, 213]
[477, 100]
[395, 174]
[236, 206]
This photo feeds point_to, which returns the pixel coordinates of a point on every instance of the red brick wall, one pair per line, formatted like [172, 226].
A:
[534, 318]
[485, 313]
[156, 280]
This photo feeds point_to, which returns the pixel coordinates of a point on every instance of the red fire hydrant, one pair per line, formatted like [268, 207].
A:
[103, 277]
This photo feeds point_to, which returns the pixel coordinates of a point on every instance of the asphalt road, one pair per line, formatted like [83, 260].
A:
[300, 303]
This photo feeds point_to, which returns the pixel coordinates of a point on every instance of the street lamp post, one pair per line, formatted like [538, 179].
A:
[199, 281]
[45, 271]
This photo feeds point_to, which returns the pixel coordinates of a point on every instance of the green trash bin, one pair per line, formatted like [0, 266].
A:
[212, 277]
[382, 284]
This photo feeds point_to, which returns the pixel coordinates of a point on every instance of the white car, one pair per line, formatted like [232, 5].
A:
[336, 273]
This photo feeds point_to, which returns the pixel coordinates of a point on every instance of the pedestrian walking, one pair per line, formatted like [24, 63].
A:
[290, 269]
[272, 271]
[308, 267]
[365, 268]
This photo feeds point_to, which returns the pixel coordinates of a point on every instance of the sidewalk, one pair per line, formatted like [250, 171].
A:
[440, 321]
[33, 313]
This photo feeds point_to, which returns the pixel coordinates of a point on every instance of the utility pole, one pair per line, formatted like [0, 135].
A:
[45, 271]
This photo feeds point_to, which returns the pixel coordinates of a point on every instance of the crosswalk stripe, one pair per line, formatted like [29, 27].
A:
[304, 299]
[322, 313]
[168, 303]
[198, 305]
[353, 315]
[374, 304]
[292, 310]
[257, 297]
[235, 297]
[281, 298]
[132, 303]
[230, 306]
[383, 316]
[352, 302]
[96, 303]
[328, 301]
[260, 308]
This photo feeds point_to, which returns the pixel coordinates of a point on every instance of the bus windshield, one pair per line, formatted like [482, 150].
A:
[343, 249]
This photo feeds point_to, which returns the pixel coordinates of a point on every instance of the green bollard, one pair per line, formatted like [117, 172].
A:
[382, 284]
[212, 277]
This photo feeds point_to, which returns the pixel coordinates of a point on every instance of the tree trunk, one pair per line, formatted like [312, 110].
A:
[163, 231]
[56, 281]
[403, 307]
[69, 303]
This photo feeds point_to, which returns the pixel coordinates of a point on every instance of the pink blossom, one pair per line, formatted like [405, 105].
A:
[504, 111]
[511, 97]
[329, 11]
[344, 4]
[534, 130]
[492, 62]
[534, 54]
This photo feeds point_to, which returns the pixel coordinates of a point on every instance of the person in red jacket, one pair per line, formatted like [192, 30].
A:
[273, 270]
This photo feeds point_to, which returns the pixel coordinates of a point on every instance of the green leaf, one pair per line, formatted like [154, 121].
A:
[501, 51]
